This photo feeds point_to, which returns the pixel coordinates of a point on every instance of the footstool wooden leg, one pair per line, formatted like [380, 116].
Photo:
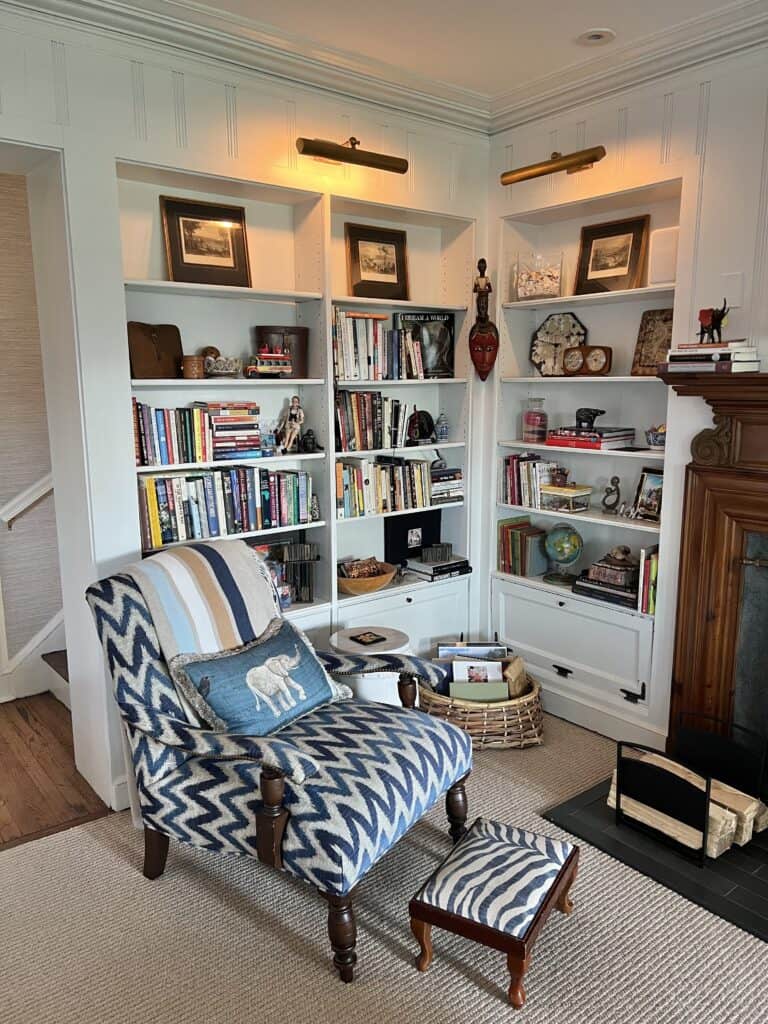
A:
[517, 967]
[565, 903]
[423, 934]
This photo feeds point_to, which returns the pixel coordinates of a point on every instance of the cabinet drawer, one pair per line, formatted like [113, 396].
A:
[595, 648]
[427, 615]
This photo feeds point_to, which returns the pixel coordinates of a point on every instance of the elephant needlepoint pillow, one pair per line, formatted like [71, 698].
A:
[258, 688]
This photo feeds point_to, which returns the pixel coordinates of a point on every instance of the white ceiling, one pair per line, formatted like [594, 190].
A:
[490, 48]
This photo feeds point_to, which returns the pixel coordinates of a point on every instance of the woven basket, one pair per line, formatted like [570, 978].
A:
[501, 723]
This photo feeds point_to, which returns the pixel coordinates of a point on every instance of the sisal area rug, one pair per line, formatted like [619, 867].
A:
[85, 939]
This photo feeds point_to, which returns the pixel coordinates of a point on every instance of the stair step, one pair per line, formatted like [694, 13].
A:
[58, 662]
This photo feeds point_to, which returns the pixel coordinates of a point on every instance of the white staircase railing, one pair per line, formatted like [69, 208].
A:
[24, 500]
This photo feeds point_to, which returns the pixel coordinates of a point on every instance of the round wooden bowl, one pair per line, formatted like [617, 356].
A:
[368, 584]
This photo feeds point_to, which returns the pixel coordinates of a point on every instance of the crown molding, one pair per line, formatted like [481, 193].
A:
[195, 29]
[192, 28]
[735, 29]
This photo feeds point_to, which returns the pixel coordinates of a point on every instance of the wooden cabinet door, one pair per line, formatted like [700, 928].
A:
[722, 596]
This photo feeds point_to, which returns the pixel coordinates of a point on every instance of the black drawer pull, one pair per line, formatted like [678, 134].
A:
[561, 604]
[561, 671]
[409, 600]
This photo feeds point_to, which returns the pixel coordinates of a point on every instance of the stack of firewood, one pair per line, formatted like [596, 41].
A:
[733, 816]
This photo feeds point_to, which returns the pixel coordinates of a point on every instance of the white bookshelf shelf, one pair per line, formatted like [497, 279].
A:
[537, 583]
[373, 385]
[406, 584]
[601, 518]
[243, 536]
[220, 291]
[213, 383]
[401, 451]
[540, 381]
[426, 307]
[652, 292]
[644, 453]
[399, 512]
[271, 460]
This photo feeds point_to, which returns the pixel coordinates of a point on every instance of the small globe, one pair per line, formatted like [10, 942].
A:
[564, 545]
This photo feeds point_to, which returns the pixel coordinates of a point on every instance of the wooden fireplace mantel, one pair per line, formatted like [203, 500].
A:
[738, 439]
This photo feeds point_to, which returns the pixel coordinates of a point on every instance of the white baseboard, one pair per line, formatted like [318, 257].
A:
[602, 722]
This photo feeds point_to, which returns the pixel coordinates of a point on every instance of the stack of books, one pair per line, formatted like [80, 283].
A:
[202, 432]
[521, 478]
[365, 488]
[458, 565]
[366, 420]
[235, 431]
[363, 349]
[447, 485]
[726, 357]
[649, 572]
[608, 581]
[221, 503]
[595, 438]
[521, 547]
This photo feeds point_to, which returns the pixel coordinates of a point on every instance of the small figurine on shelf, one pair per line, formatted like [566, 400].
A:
[442, 428]
[711, 323]
[484, 335]
[314, 509]
[289, 426]
[309, 443]
[612, 497]
[560, 476]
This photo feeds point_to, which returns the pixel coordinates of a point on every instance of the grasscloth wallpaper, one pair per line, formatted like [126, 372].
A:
[29, 568]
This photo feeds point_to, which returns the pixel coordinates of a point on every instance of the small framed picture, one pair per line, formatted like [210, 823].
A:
[205, 243]
[648, 497]
[654, 339]
[477, 671]
[377, 265]
[612, 256]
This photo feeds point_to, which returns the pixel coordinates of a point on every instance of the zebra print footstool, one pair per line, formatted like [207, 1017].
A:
[497, 886]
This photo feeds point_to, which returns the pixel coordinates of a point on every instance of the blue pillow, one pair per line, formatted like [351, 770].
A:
[258, 688]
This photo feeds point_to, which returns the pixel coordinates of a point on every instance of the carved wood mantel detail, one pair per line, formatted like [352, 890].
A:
[726, 500]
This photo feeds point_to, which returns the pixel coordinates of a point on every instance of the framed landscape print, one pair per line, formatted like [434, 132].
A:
[205, 243]
[612, 256]
[654, 339]
[377, 266]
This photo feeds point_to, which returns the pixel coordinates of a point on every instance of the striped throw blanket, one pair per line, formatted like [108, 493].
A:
[208, 597]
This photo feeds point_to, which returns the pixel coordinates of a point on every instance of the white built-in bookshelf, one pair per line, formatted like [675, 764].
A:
[298, 273]
[585, 651]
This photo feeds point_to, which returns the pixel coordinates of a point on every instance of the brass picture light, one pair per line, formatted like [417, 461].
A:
[571, 163]
[348, 153]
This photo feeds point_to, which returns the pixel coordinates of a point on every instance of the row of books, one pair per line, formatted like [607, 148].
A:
[367, 420]
[202, 432]
[365, 488]
[520, 547]
[418, 347]
[521, 478]
[725, 357]
[596, 438]
[221, 503]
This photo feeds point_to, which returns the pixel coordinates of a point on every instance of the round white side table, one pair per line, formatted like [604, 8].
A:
[378, 686]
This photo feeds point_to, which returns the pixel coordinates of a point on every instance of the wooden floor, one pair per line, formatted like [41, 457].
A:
[41, 791]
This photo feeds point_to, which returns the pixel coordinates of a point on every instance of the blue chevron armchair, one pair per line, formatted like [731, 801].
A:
[323, 799]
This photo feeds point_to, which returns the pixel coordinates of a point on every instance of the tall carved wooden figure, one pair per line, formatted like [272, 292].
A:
[484, 336]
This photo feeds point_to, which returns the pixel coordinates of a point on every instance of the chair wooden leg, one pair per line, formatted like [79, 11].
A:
[517, 965]
[457, 809]
[155, 852]
[423, 934]
[342, 932]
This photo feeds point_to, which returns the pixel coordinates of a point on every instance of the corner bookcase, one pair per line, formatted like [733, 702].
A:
[594, 658]
[298, 272]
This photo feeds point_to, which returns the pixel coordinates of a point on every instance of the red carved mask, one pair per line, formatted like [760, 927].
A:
[483, 349]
